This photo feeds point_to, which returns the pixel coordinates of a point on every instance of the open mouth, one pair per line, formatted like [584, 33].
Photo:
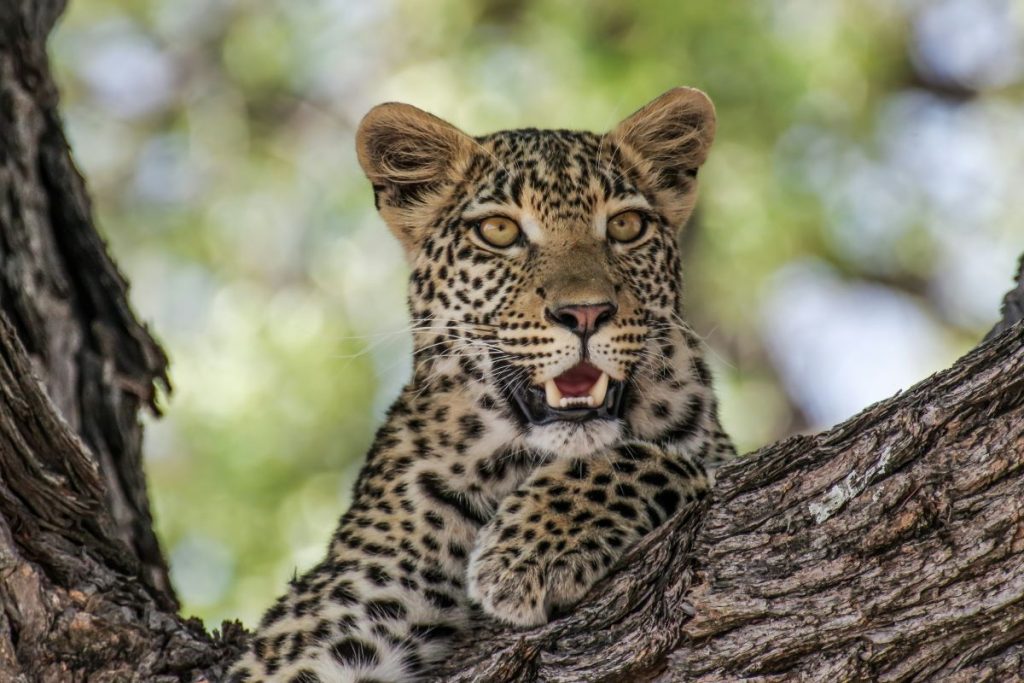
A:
[579, 394]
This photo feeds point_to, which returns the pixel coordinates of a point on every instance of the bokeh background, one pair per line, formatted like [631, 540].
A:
[860, 219]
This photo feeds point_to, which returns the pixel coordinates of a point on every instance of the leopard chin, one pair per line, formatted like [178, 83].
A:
[565, 439]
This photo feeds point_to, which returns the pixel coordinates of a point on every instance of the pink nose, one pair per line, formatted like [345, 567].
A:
[584, 319]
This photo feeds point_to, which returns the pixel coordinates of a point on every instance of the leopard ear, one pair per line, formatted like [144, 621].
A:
[665, 142]
[410, 157]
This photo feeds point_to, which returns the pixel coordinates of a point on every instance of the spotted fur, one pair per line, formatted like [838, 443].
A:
[462, 500]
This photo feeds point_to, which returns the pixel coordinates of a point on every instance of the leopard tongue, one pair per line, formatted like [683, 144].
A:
[594, 396]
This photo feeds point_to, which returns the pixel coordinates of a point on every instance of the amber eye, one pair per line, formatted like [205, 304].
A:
[626, 226]
[498, 231]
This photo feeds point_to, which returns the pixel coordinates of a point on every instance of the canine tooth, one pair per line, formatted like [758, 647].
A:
[553, 395]
[599, 390]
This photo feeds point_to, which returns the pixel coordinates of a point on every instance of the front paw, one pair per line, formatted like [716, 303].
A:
[508, 584]
[523, 582]
[572, 574]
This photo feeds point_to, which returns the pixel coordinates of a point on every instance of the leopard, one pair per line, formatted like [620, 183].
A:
[559, 408]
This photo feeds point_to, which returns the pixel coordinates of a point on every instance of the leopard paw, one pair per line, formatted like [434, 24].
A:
[570, 577]
[508, 585]
[526, 583]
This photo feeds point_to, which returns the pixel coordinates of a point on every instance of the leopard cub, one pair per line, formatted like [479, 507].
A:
[559, 407]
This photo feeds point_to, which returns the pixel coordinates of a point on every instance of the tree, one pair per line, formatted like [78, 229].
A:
[889, 545]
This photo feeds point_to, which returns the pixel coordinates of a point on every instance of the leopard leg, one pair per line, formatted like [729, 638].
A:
[561, 531]
[378, 608]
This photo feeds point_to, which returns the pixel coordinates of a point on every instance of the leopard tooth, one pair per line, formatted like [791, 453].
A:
[599, 390]
[576, 402]
[553, 395]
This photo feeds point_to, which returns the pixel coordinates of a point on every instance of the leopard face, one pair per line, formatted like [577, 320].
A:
[544, 263]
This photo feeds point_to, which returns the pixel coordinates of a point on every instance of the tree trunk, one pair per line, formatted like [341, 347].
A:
[887, 547]
[83, 584]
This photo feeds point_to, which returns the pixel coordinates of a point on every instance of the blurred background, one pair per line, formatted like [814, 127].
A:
[860, 219]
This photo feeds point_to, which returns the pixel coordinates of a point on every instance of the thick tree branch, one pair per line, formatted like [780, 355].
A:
[888, 547]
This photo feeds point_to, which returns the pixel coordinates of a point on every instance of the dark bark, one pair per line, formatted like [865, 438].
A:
[61, 291]
[84, 588]
[887, 547]
[75, 603]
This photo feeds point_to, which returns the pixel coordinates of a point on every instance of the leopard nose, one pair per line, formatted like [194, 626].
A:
[584, 319]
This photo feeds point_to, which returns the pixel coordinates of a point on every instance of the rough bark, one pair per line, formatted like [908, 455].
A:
[888, 547]
[75, 604]
[84, 588]
[62, 292]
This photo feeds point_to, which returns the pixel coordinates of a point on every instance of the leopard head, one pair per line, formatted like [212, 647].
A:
[544, 262]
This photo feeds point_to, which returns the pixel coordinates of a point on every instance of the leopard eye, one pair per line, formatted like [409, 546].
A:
[627, 226]
[498, 231]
